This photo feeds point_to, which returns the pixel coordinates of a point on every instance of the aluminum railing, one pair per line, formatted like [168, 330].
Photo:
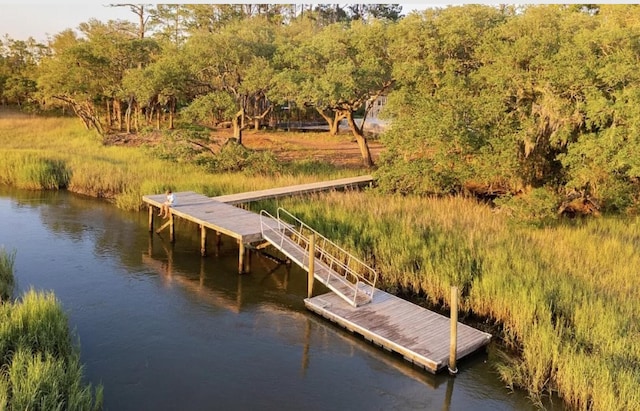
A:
[360, 276]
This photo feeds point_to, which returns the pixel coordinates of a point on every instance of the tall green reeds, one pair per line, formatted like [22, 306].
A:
[39, 364]
[33, 171]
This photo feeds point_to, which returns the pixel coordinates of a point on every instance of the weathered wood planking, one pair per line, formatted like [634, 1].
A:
[224, 218]
[295, 190]
[420, 335]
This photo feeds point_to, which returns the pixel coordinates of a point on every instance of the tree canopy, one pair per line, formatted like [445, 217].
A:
[500, 102]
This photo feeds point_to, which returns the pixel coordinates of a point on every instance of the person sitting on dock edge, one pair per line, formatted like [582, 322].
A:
[169, 202]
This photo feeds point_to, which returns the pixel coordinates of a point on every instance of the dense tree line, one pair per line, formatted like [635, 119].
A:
[534, 105]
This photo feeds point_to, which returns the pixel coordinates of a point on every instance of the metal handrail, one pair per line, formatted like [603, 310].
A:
[338, 260]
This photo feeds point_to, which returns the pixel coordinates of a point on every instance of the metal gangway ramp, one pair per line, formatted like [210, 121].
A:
[344, 274]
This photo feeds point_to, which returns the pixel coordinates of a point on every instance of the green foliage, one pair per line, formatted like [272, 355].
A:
[193, 146]
[7, 279]
[210, 108]
[234, 157]
[538, 207]
[503, 99]
[540, 98]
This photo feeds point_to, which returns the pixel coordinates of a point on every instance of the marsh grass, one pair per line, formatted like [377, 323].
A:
[564, 299]
[40, 367]
[52, 153]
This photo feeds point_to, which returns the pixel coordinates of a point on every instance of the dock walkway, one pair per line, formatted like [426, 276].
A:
[220, 215]
[235, 222]
[421, 336]
[342, 183]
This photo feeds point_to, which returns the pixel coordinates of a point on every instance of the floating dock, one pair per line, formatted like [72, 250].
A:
[421, 336]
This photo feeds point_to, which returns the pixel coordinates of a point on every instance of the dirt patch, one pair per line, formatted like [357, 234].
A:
[341, 150]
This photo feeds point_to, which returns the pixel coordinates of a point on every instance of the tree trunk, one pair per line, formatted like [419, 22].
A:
[238, 125]
[127, 115]
[333, 122]
[360, 139]
[86, 112]
[118, 113]
[137, 113]
[335, 127]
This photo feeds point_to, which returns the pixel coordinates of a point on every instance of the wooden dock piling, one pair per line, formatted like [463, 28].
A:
[203, 240]
[150, 218]
[453, 335]
[312, 269]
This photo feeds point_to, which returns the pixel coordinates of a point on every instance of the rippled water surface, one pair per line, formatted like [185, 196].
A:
[163, 329]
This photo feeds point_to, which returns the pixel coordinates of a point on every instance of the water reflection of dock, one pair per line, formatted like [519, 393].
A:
[231, 297]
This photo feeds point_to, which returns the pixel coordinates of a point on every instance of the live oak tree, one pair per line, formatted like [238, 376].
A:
[235, 60]
[18, 64]
[500, 101]
[601, 160]
[442, 119]
[87, 73]
[158, 87]
[338, 70]
[496, 101]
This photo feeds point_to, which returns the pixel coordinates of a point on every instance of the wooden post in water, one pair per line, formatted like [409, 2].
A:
[241, 257]
[312, 263]
[150, 218]
[172, 231]
[453, 342]
[203, 240]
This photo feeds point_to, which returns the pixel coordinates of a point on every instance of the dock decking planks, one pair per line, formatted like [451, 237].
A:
[233, 221]
[420, 335]
[295, 190]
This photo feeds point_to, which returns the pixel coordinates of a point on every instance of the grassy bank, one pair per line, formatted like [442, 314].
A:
[51, 153]
[565, 299]
[39, 363]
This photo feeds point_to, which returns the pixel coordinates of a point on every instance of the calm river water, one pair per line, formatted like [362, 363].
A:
[163, 329]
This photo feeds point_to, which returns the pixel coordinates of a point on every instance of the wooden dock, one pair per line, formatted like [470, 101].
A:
[210, 214]
[219, 214]
[421, 336]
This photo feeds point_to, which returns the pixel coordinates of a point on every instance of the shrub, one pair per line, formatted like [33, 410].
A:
[537, 207]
